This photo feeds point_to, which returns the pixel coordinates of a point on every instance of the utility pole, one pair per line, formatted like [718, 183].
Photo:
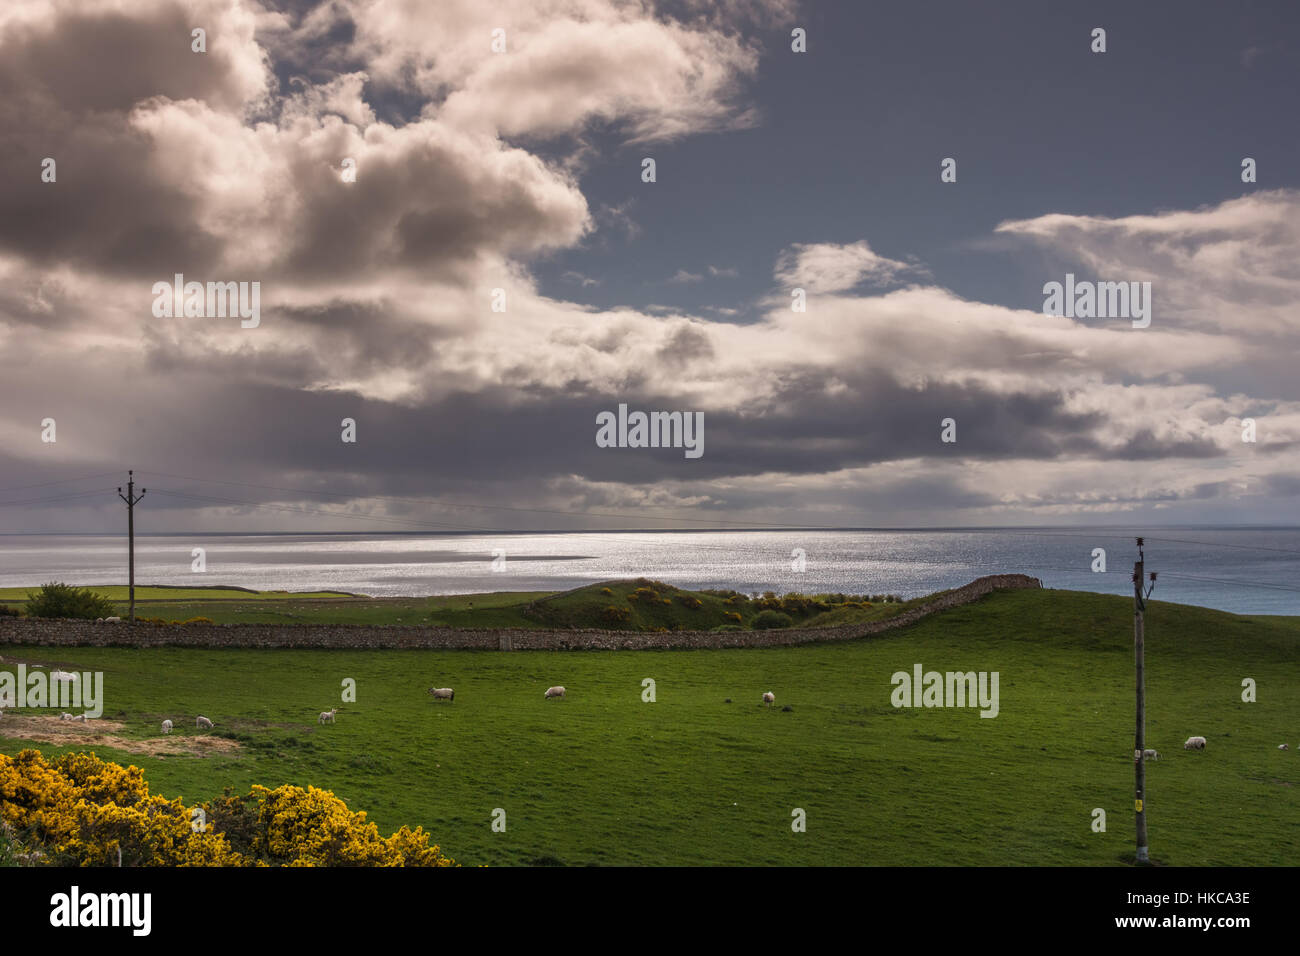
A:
[1140, 736]
[131, 501]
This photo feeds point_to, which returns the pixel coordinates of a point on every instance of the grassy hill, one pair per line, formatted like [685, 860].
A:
[620, 605]
[606, 778]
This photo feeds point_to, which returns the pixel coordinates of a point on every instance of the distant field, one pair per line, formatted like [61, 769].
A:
[604, 778]
[170, 594]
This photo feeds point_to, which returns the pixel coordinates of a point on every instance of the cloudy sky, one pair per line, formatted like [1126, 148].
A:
[522, 171]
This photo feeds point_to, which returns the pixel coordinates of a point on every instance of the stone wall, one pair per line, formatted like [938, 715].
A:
[36, 631]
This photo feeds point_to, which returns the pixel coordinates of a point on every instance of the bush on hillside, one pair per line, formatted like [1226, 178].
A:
[613, 614]
[769, 620]
[63, 600]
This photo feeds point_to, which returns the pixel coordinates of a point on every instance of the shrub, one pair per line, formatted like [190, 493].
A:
[199, 620]
[606, 591]
[769, 619]
[644, 594]
[78, 810]
[63, 600]
[7, 611]
[690, 601]
[728, 627]
[613, 614]
[733, 616]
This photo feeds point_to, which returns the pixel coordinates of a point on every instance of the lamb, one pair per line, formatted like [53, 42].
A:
[1194, 743]
[167, 726]
[442, 693]
[202, 723]
[327, 716]
[1150, 754]
[554, 692]
[769, 698]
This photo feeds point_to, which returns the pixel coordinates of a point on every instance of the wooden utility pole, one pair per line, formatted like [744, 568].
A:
[131, 501]
[1140, 735]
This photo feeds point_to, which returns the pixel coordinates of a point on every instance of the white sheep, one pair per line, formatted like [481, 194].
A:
[1283, 747]
[167, 726]
[112, 620]
[1194, 743]
[327, 716]
[202, 723]
[442, 693]
[62, 676]
[1151, 754]
[769, 698]
[554, 692]
[65, 716]
[81, 717]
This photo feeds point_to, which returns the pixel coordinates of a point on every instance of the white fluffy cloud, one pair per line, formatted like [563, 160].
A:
[826, 267]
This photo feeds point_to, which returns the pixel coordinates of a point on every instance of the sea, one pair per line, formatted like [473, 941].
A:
[1253, 570]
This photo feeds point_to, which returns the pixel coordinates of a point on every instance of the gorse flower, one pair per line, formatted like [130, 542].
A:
[78, 810]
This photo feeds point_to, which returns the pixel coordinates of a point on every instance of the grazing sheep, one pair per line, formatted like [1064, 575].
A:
[63, 676]
[202, 723]
[442, 693]
[65, 716]
[167, 726]
[112, 620]
[554, 692]
[1194, 743]
[81, 717]
[769, 698]
[327, 716]
[1283, 747]
[1151, 755]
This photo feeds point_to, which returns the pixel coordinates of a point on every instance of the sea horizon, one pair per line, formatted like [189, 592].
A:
[1242, 569]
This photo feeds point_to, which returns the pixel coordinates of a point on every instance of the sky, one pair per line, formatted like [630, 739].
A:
[499, 272]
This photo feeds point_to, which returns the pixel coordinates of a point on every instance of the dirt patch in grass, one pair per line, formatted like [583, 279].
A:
[106, 733]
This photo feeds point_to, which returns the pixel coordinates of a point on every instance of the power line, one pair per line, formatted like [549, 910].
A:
[80, 494]
[61, 481]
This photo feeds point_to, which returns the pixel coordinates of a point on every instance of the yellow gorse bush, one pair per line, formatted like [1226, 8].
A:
[80, 810]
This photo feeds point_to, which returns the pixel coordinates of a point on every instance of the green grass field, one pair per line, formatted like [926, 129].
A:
[605, 778]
